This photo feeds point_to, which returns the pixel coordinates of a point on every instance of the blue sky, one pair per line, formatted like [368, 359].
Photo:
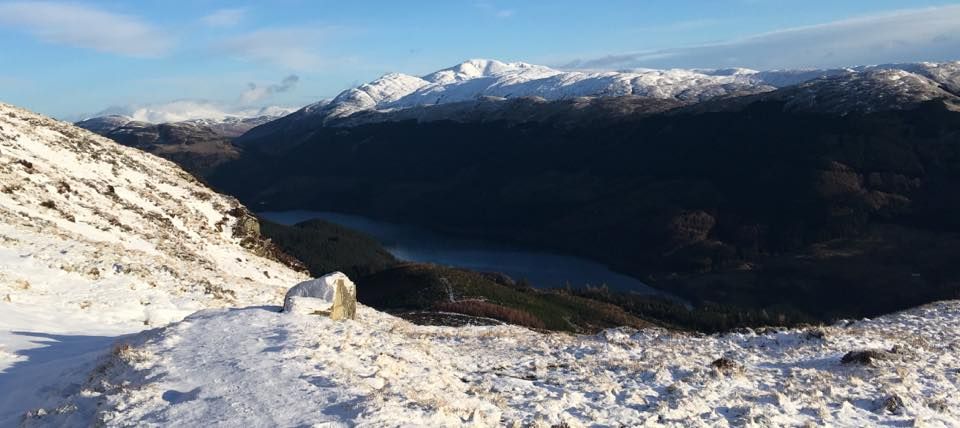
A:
[67, 59]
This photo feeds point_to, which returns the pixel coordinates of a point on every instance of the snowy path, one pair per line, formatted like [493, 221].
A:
[256, 367]
[48, 372]
[247, 379]
[47, 343]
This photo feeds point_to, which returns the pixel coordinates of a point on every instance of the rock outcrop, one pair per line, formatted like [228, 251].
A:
[333, 295]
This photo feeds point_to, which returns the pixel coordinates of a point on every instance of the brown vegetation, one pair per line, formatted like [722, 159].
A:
[480, 308]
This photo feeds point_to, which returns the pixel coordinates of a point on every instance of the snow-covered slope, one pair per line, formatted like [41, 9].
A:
[488, 78]
[277, 369]
[870, 90]
[198, 145]
[863, 91]
[520, 110]
[104, 124]
[97, 239]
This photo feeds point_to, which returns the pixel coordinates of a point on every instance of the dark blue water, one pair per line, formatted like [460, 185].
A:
[543, 270]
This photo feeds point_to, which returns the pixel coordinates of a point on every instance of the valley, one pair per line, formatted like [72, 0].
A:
[412, 244]
[204, 340]
[752, 191]
[750, 208]
[692, 214]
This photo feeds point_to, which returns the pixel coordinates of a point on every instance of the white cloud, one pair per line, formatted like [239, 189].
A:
[224, 17]
[930, 34]
[86, 27]
[292, 48]
[249, 103]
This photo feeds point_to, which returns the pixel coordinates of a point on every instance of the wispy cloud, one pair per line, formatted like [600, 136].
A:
[257, 92]
[291, 48]
[86, 27]
[224, 18]
[493, 10]
[905, 35]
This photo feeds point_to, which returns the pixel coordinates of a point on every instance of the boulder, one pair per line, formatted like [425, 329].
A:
[333, 295]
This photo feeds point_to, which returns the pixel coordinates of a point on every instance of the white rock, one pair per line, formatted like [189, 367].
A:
[332, 294]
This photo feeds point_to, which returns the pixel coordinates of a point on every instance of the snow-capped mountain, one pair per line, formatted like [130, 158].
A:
[229, 127]
[488, 78]
[194, 145]
[865, 90]
[224, 125]
[185, 110]
[234, 126]
[476, 90]
[105, 124]
[519, 110]
[198, 145]
[875, 89]
[98, 238]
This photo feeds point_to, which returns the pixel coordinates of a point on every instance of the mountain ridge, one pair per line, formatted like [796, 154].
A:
[478, 77]
[480, 84]
[198, 145]
[186, 110]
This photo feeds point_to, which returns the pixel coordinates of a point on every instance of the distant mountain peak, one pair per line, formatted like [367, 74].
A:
[186, 110]
[489, 89]
[477, 68]
[477, 79]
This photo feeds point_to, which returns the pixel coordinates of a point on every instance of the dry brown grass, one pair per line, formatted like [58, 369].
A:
[490, 310]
